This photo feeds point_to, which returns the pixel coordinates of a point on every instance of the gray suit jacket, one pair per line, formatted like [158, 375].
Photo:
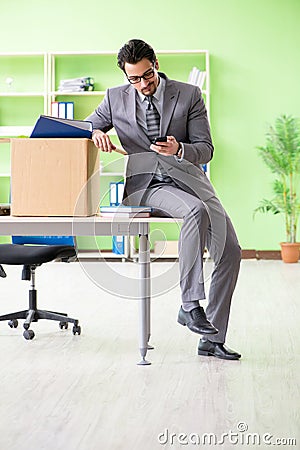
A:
[183, 116]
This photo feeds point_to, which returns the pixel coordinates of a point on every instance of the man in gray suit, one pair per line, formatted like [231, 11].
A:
[167, 175]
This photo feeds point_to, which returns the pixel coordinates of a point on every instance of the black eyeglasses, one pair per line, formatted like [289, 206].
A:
[146, 76]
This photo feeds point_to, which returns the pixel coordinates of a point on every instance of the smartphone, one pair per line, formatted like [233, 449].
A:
[160, 139]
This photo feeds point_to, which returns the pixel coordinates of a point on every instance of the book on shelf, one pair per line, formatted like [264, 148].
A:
[53, 127]
[197, 77]
[120, 191]
[116, 190]
[80, 84]
[118, 245]
[62, 110]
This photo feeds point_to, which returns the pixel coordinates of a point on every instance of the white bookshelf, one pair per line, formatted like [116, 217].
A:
[53, 81]
[15, 131]
[77, 94]
[9, 90]
[50, 80]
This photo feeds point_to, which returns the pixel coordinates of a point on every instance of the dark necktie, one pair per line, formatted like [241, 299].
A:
[153, 128]
[152, 120]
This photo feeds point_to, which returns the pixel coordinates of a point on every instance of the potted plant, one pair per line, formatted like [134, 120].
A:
[281, 154]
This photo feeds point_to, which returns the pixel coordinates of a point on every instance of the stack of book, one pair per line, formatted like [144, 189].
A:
[125, 212]
[116, 191]
[62, 110]
[76, 85]
[197, 77]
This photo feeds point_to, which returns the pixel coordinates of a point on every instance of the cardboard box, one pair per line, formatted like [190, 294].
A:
[54, 177]
[165, 249]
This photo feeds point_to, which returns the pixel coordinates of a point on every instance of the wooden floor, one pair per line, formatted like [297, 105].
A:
[86, 392]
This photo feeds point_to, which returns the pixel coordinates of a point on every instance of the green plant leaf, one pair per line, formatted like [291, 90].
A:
[281, 154]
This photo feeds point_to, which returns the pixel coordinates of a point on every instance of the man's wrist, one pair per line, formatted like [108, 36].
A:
[178, 150]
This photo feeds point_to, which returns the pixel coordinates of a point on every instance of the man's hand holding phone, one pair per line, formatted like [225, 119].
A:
[165, 145]
[160, 139]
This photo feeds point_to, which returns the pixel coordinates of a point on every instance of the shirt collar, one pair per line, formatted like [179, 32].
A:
[158, 93]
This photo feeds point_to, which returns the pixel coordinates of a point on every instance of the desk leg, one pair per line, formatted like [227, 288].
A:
[144, 303]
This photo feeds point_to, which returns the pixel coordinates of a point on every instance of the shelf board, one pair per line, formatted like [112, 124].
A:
[96, 254]
[111, 174]
[15, 130]
[180, 52]
[114, 52]
[79, 94]
[22, 94]
[84, 53]
[23, 54]
[102, 174]
[164, 255]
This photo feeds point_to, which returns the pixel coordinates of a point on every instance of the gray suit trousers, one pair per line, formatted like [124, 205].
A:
[205, 224]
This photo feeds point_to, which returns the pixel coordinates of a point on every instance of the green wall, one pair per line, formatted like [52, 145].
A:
[255, 66]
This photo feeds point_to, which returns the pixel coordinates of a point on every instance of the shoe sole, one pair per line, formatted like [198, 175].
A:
[204, 353]
[181, 322]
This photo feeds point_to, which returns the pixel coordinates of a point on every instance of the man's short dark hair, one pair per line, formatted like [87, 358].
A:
[134, 51]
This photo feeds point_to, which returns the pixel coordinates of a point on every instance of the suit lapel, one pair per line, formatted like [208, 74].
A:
[170, 99]
[129, 103]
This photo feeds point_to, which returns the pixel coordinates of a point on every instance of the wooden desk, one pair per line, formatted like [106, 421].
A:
[98, 226]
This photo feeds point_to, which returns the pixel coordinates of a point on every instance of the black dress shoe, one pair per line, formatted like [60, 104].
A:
[208, 348]
[196, 321]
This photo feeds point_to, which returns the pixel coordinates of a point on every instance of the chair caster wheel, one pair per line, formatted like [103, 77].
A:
[63, 325]
[28, 334]
[13, 323]
[77, 329]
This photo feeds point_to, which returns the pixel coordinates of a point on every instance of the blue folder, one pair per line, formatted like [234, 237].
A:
[44, 240]
[52, 127]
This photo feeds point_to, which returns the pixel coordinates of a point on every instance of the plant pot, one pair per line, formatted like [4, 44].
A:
[290, 252]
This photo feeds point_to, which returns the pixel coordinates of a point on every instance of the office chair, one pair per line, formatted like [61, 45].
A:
[30, 257]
